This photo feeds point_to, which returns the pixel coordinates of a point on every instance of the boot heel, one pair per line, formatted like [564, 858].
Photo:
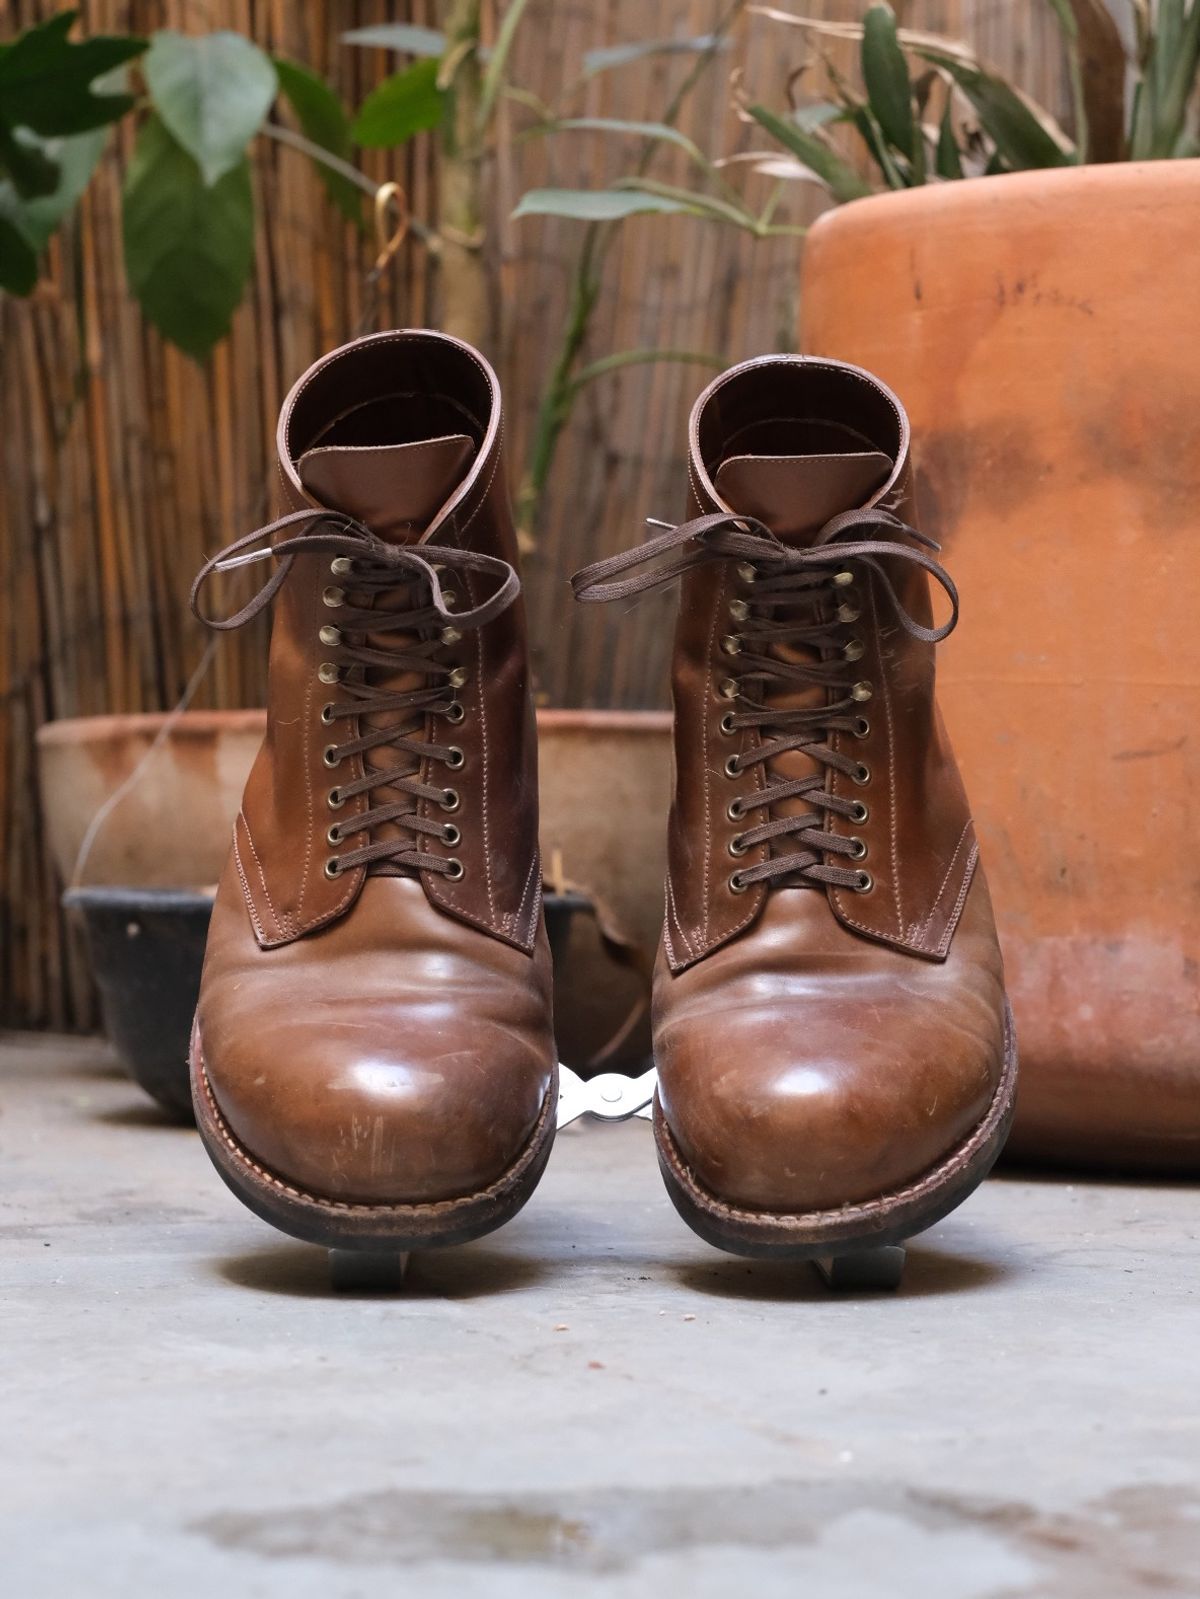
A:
[882, 1267]
[367, 1271]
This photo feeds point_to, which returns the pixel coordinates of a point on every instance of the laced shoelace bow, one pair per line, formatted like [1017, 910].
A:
[801, 599]
[369, 566]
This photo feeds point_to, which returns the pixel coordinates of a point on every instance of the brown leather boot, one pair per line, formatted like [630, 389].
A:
[373, 1058]
[835, 1054]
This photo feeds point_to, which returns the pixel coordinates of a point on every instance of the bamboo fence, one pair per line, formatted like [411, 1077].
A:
[125, 463]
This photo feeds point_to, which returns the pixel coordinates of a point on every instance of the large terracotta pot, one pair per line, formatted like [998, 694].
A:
[1041, 330]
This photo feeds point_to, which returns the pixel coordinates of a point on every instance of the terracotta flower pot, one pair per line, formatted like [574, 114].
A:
[1040, 329]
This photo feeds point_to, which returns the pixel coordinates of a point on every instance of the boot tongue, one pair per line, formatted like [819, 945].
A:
[795, 495]
[396, 489]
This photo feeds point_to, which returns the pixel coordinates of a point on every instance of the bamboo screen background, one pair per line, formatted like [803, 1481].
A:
[124, 462]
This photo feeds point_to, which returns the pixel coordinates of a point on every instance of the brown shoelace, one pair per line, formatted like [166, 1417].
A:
[800, 598]
[369, 568]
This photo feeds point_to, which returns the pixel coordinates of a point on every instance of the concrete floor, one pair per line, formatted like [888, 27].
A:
[590, 1402]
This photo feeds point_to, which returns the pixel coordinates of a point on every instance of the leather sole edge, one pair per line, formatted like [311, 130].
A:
[890, 1219]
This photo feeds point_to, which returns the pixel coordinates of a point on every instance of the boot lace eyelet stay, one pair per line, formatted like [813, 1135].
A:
[379, 646]
[794, 614]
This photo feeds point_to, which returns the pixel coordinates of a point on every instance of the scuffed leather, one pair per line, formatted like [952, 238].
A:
[385, 1039]
[817, 1047]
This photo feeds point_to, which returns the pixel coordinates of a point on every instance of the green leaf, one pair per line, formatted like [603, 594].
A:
[592, 205]
[46, 81]
[641, 130]
[18, 263]
[323, 120]
[1022, 140]
[407, 103]
[75, 161]
[189, 245]
[620, 55]
[889, 87]
[212, 92]
[405, 36]
[23, 156]
[839, 177]
[949, 158]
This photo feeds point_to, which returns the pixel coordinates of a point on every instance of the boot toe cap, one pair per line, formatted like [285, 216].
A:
[379, 1116]
[795, 1122]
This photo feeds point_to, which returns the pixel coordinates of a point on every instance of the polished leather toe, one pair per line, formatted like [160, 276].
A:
[801, 1071]
[342, 1064]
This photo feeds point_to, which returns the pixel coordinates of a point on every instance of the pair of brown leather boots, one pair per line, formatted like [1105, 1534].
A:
[373, 1058]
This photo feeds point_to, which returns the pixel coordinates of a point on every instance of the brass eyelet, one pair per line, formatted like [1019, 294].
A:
[330, 755]
[843, 579]
[855, 650]
[736, 810]
[455, 869]
[450, 800]
[737, 846]
[729, 688]
[731, 645]
[450, 635]
[451, 835]
[334, 834]
[333, 867]
[860, 813]
[459, 676]
[739, 610]
[746, 572]
[330, 635]
[327, 714]
[335, 799]
[727, 726]
[861, 691]
[334, 597]
[327, 672]
[341, 566]
[859, 852]
[455, 758]
[455, 712]
[449, 598]
[737, 884]
[848, 613]
[862, 727]
[861, 774]
[865, 883]
[732, 769]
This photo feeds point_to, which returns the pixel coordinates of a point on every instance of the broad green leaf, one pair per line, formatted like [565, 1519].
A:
[403, 36]
[323, 121]
[75, 159]
[407, 103]
[838, 176]
[212, 92]
[189, 245]
[949, 158]
[1022, 140]
[18, 263]
[592, 205]
[889, 87]
[620, 55]
[46, 81]
[24, 157]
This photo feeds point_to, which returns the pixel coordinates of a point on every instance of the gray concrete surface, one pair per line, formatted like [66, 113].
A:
[590, 1402]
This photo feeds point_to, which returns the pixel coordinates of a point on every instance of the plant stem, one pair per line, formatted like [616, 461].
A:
[297, 141]
[465, 291]
[562, 387]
